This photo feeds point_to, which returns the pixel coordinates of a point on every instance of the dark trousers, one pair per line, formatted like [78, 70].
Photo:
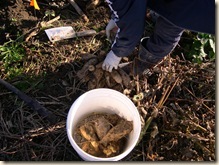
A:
[163, 40]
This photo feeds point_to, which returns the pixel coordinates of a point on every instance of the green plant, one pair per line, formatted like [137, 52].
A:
[49, 14]
[202, 48]
[11, 56]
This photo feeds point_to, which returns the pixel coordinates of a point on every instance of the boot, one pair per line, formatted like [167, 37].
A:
[145, 61]
[141, 67]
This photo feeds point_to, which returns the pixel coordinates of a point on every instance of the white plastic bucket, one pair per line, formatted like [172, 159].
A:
[104, 100]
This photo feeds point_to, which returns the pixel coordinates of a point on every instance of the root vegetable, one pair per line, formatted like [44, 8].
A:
[87, 56]
[112, 118]
[88, 132]
[111, 149]
[91, 148]
[102, 126]
[116, 76]
[122, 129]
[107, 77]
[98, 74]
[92, 84]
[125, 78]
[82, 73]
[99, 65]
[102, 135]
[91, 68]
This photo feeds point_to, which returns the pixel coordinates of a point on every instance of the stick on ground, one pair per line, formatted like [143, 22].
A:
[77, 8]
[31, 102]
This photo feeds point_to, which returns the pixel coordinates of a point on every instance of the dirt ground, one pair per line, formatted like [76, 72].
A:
[176, 102]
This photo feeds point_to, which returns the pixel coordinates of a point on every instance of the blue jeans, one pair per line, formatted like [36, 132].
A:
[163, 40]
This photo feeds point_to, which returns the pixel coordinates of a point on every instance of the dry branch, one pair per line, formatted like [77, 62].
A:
[79, 11]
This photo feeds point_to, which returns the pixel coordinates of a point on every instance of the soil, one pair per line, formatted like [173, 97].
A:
[176, 101]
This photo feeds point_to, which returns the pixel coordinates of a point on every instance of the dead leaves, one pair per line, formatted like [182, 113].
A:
[102, 135]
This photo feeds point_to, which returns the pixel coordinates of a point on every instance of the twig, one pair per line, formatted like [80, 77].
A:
[5, 93]
[45, 24]
[31, 102]
[33, 32]
[204, 149]
[138, 88]
[160, 104]
[200, 101]
[198, 126]
[43, 131]
[79, 11]
[187, 135]
[36, 29]
[166, 95]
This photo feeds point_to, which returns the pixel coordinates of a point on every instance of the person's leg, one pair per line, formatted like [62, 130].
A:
[163, 40]
[154, 48]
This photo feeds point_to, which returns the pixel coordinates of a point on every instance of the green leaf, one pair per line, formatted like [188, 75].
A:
[212, 44]
[2, 48]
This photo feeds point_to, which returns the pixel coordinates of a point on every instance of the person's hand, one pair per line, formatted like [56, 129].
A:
[111, 61]
[111, 26]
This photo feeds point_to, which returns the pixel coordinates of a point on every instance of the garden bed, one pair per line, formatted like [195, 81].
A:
[176, 102]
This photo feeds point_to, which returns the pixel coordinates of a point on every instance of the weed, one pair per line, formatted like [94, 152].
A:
[49, 14]
[202, 47]
[11, 57]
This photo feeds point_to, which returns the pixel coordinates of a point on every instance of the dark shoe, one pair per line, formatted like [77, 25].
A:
[146, 60]
[137, 67]
[144, 63]
[145, 55]
[142, 67]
